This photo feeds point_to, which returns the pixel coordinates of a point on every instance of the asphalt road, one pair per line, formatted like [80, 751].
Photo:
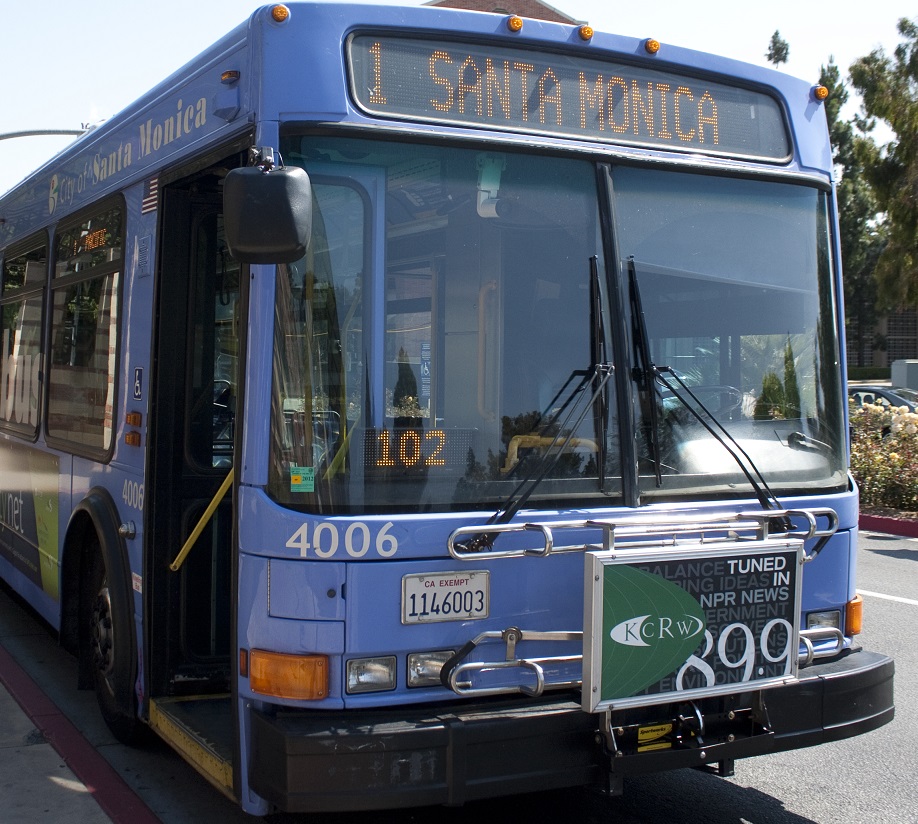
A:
[865, 779]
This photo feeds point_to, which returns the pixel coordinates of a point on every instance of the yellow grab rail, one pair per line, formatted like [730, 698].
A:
[199, 527]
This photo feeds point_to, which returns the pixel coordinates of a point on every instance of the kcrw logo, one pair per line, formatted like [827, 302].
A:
[644, 630]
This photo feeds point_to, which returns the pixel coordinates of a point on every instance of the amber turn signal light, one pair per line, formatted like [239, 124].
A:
[854, 615]
[280, 674]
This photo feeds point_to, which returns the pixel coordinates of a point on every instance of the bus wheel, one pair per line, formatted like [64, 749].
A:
[111, 652]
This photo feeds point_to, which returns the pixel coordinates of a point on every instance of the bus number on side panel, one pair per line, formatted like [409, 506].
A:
[132, 495]
[326, 539]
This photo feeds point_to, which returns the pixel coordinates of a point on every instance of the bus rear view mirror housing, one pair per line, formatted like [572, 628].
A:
[267, 214]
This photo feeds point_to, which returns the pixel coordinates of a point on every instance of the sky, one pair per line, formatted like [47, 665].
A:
[68, 63]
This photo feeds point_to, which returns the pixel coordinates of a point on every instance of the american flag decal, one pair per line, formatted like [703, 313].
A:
[150, 196]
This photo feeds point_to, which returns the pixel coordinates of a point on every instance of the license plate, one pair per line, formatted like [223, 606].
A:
[689, 623]
[445, 596]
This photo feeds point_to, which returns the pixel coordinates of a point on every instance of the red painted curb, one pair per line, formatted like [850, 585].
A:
[109, 790]
[892, 526]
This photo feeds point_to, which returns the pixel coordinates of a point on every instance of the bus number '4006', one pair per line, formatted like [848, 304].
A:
[132, 494]
[358, 538]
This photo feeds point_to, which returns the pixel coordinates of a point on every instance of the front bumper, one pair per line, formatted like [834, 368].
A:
[453, 753]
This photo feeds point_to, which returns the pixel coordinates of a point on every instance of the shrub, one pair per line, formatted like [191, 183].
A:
[884, 456]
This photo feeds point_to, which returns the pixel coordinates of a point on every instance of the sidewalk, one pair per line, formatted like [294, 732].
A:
[891, 526]
[48, 771]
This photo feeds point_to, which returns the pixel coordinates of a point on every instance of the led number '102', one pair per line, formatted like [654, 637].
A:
[409, 448]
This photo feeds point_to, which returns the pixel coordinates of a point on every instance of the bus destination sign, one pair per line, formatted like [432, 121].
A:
[554, 94]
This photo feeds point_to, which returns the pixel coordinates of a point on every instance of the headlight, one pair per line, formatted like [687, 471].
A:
[829, 619]
[371, 674]
[424, 667]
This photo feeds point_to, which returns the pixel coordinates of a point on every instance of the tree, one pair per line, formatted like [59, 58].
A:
[889, 89]
[405, 394]
[791, 384]
[862, 237]
[778, 50]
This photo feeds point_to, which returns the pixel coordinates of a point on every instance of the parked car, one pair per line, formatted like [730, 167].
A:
[884, 396]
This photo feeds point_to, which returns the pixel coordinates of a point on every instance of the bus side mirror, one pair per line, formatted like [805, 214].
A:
[267, 216]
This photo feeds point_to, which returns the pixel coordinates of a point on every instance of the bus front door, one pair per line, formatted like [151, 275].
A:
[188, 594]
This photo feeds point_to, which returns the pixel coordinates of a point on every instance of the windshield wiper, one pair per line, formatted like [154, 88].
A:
[648, 375]
[515, 501]
[719, 432]
[645, 372]
[598, 356]
[599, 374]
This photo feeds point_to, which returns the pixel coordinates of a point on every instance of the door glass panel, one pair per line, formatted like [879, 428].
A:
[213, 346]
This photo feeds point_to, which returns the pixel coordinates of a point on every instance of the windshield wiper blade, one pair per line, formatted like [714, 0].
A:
[598, 356]
[645, 372]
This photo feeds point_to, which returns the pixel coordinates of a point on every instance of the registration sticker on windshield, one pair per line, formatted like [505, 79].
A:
[445, 596]
[302, 479]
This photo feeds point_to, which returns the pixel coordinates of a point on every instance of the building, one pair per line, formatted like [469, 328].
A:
[893, 337]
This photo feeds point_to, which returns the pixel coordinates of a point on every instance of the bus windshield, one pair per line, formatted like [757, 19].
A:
[449, 336]
[735, 283]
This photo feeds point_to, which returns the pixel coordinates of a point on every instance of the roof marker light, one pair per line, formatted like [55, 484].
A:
[820, 92]
[229, 76]
[651, 46]
[515, 23]
[586, 33]
[280, 13]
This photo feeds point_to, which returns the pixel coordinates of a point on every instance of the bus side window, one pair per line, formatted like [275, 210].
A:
[84, 331]
[21, 301]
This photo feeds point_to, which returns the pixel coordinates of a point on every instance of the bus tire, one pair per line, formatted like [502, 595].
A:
[112, 654]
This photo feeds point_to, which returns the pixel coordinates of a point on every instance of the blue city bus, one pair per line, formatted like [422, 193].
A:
[409, 406]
